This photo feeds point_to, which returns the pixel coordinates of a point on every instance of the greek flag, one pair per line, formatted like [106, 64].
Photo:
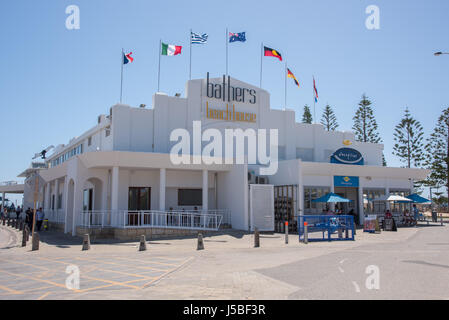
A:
[198, 39]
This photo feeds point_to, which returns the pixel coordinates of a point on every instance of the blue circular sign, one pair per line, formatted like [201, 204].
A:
[347, 156]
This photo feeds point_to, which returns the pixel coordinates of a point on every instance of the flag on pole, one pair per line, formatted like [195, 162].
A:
[315, 90]
[197, 38]
[291, 75]
[233, 37]
[170, 49]
[127, 58]
[268, 52]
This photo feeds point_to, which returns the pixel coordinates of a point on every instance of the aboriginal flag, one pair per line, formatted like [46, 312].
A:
[291, 75]
[268, 52]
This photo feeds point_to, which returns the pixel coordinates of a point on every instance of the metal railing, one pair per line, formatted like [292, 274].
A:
[55, 215]
[194, 220]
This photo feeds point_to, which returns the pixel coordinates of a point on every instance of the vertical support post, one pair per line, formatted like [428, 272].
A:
[115, 191]
[261, 59]
[286, 232]
[205, 190]
[162, 182]
[306, 233]
[159, 67]
[256, 238]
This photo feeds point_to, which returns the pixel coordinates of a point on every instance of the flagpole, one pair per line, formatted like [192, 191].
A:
[261, 56]
[226, 52]
[314, 100]
[159, 69]
[190, 68]
[121, 75]
[285, 98]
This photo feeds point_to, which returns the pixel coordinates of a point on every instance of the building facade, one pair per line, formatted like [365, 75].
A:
[123, 165]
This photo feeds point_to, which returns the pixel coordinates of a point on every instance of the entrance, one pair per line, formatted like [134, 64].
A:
[350, 193]
[139, 199]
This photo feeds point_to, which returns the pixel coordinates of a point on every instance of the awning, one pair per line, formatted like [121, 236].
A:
[416, 198]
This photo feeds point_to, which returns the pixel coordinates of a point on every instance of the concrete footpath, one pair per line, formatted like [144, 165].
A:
[412, 263]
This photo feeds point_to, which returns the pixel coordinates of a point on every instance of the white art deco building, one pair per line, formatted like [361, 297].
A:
[119, 175]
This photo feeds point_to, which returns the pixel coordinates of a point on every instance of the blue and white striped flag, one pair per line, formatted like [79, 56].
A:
[198, 39]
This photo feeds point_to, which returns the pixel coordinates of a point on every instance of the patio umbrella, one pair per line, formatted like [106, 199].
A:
[416, 198]
[392, 197]
[331, 197]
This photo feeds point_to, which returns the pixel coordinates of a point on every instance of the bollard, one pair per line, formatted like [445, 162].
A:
[21, 225]
[35, 242]
[200, 245]
[441, 219]
[256, 238]
[306, 234]
[340, 233]
[86, 242]
[7, 222]
[143, 243]
[27, 229]
[346, 233]
[24, 238]
[286, 232]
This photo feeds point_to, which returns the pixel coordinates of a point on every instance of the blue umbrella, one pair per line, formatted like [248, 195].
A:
[416, 198]
[331, 197]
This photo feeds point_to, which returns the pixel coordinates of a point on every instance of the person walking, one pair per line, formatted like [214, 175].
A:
[415, 214]
[39, 218]
[18, 212]
[29, 218]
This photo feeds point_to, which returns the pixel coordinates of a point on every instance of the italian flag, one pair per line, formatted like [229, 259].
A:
[170, 49]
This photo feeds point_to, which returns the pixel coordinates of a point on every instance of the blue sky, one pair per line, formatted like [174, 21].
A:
[55, 82]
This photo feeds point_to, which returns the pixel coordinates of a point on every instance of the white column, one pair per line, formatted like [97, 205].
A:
[47, 196]
[387, 193]
[162, 182]
[205, 190]
[114, 188]
[56, 194]
[360, 195]
[332, 204]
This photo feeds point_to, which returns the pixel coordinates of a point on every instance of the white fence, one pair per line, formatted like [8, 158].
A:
[194, 220]
[55, 215]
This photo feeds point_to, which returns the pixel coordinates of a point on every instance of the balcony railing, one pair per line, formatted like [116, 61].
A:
[193, 220]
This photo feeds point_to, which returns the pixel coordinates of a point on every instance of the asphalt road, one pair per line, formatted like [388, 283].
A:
[417, 268]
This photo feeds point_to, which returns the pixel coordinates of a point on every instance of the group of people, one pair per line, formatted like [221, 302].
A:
[410, 219]
[40, 215]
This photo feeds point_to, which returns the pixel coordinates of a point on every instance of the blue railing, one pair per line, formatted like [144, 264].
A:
[326, 228]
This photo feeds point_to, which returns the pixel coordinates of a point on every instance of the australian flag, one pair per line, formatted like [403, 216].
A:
[237, 37]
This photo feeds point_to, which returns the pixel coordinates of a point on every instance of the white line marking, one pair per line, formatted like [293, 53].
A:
[356, 286]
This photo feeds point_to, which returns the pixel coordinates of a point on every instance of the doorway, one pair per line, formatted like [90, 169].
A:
[139, 199]
[350, 193]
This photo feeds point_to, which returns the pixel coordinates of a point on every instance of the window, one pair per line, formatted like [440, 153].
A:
[107, 132]
[311, 193]
[139, 198]
[89, 141]
[190, 197]
[370, 206]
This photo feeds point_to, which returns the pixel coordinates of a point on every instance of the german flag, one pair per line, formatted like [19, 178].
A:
[268, 52]
[291, 75]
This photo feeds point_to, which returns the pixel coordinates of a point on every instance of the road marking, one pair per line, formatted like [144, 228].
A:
[152, 261]
[356, 286]
[10, 290]
[166, 274]
[44, 295]
[122, 265]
